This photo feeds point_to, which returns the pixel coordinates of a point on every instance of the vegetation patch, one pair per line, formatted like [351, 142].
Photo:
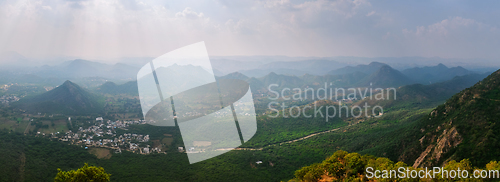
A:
[101, 153]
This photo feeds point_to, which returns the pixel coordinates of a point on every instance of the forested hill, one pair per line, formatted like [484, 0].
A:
[466, 126]
[68, 98]
[129, 88]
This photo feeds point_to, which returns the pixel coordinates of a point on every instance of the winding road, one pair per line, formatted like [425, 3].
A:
[296, 140]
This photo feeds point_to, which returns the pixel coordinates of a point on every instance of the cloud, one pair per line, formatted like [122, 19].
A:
[453, 37]
[48, 8]
[444, 27]
[275, 3]
[345, 8]
[371, 13]
[188, 13]
[114, 28]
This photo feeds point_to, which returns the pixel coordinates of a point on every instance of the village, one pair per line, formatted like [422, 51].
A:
[5, 99]
[103, 135]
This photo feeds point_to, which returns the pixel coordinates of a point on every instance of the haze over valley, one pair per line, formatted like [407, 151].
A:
[279, 90]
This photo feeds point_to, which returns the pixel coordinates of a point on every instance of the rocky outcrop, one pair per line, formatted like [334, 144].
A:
[440, 145]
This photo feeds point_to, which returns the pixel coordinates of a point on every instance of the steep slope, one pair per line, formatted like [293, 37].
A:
[466, 126]
[386, 77]
[68, 98]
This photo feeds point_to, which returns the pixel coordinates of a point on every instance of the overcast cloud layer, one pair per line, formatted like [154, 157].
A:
[108, 29]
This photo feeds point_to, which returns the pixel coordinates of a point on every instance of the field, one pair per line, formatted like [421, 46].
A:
[59, 126]
[100, 153]
[17, 125]
[167, 141]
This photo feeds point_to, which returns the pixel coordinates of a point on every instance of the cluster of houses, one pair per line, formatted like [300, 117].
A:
[5, 99]
[103, 134]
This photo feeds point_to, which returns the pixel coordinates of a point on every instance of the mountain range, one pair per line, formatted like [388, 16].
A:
[367, 69]
[82, 68]
[385, 77]
[376, 75]
[432, 74]
[262, 68]
[419, 96]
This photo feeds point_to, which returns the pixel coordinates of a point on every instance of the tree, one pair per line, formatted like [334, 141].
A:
[85, 174]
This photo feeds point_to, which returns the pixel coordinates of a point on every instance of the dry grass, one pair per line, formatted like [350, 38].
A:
[101, 153]
[167, 141]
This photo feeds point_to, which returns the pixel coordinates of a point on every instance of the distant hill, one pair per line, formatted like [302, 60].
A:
[67, 98]
[235, 75]
[297, 68]
[129, 88]
[88, 82]
[281, 71]
[13, 59]
[225, 65]
[418, 96]
[79, 68]
[442, 90]
[34, 79]
[432, 74]
[367, 69]
[260, 85]
[292, 68]
[386, 76]
[256, 85]
[345, 80]
[282, 81]
[178, 78]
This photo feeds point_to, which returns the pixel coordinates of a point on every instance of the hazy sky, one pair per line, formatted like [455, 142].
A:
[107, 29]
